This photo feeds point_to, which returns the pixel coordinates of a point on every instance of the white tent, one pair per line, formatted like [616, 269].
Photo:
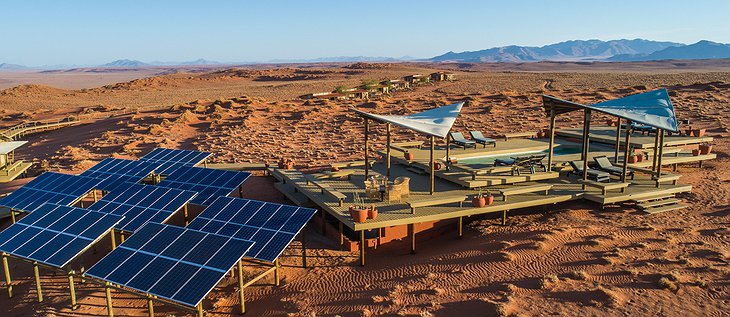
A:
[436, 122]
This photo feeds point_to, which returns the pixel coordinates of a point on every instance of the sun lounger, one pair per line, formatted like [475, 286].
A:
[536, 160]
[481, 139]
[593, 174]
[605, 165]
[459, 139]
[519, 161]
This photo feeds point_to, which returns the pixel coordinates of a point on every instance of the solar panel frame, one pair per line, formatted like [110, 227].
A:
[116, 172]
[153, 273]
[187, 157]
[44, 236]
[209, 183]
[265, 223]
[136, 202]
[50, 187]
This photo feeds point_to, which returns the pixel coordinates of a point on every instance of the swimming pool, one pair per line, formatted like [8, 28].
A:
[489, 159]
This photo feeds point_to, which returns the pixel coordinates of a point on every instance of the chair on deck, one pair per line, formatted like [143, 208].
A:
[605, 165]
[399, 189]
[536, 160]
[372, 188]
[519, 161]
[459, 139]
[481, 139]
[593, 174]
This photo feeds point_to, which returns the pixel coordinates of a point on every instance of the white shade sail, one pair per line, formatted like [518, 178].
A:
[7, 147]
[651, 108]
[436, 122]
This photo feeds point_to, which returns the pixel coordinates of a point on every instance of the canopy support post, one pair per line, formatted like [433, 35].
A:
[109, 308]
[367, 165]
[552, 139]
[656, 152]
[431, 165]
[661, 153]
[72, 290]
[37, 282]
[8, 281]
[240, 287]
[448, 151]
[618, 140]
[627, 146]
[387, 150]
[586, 143]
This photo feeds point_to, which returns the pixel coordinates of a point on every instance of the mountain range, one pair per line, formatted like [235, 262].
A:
[592, 50]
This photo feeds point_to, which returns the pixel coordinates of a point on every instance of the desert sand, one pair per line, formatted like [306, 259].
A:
[573, 260]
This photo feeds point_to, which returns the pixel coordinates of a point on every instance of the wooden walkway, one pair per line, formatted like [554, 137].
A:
[607, 135]
[25, 128]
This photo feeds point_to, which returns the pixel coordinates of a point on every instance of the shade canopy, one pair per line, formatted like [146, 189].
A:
[7, 147]
[651, 108]
[435, 122]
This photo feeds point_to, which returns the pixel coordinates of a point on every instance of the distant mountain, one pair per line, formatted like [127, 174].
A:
[699, 50]
[125, 63]
[6, 66]
[563, 51]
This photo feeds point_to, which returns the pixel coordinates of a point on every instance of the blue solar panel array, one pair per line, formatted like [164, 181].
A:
[116, 172]
[170, 160]
[50, 187]
[173, 263]
[271, 226]
[208, 183]
[140, 204]
[56, 234]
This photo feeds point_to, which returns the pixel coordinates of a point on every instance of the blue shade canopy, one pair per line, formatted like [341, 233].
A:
[651, 108]
[436, 122]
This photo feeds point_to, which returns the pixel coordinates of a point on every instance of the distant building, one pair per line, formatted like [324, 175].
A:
[442, 76]
[356, 93]
[416, 79]
[396, 84]
[325, 96]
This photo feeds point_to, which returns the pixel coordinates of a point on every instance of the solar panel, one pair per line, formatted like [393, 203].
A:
[208, 183]
[140, 204]
[173, 263]
[186, 157]
[56, 234]
[116, 172]
[50, 187]
[271, 226]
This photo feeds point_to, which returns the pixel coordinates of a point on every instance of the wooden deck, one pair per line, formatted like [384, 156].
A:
[10, 173]
[607, 135]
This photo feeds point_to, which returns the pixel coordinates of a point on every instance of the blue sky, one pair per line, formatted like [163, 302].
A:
[95, 32]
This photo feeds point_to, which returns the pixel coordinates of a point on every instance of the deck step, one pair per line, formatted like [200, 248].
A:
[657, 203]
[296, 197]
[416, 170]
[651, 198]
[656, 210]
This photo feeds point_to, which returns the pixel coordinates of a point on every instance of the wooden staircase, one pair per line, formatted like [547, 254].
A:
[659, 203]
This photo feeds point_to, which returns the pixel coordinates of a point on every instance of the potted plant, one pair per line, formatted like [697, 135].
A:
[540, 134]
[705, 148]
[289, 164]
[639, 158]
[359, 210]
[372, 212]
[409, 156]
[436, 165]
[699, 132]
[479, 201]
[488, 198]
[611, 122]
[632, 158]
[696, 152]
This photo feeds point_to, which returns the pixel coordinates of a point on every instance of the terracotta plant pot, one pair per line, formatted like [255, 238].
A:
[409, 156]
[695, 152]
[478, 202]
[352, 212]
[699, 132]
[639, 158]
[632, 158]
[611, 122]
[688, 132]
[489, 199]
[437, 165]
[705, 149]
[454, 161]
[361, 215]
[546, 132]
[540, 134]
[372, 213]
[289, 165]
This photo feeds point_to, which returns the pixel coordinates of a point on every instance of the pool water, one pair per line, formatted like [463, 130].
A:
[489, 159]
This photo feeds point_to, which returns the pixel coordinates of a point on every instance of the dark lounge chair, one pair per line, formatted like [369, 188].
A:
[536, 160]
[593, 174]
[605, 165]
[519, 161]
[459, 139]
[481, 139]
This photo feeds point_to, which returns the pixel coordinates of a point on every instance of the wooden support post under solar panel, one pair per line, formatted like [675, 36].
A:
[240, 191]
[185, 214]
[114, 242]
[342, 236]
[109, 308]
[83, 269]
[276, 273]
[121, 237]
[94, 194]
[200, 310]
[240, 287]
[72, 290]
[12, 215]
[8, 281]
[412, 234]
[504, 217]
[150, 306]
[362, 247]
[37, 282]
